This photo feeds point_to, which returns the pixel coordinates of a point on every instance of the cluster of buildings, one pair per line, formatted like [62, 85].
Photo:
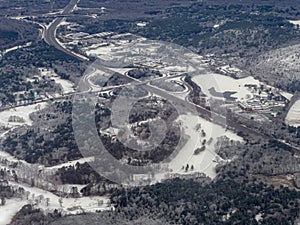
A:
[265, 99]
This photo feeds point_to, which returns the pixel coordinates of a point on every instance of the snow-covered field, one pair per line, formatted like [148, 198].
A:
[38, 196]
[104, 52]
[205, 161]
[168, 58]
[177, 69]
[67, 86]
[287, 95]
[88, 204]
[223, 83]
[9, 210]
[21, 112]
[293, 116]
[295, 22]
[68, 206]
[9, 158]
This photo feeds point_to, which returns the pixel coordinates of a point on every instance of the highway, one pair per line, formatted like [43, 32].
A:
[185, 106]
[50, 38]
[50, 32]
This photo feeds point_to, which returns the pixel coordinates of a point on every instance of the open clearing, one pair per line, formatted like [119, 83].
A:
[295, 22]
[10, 209]
[206, 161]
[22, 112]
[293, 116]
[66, 85]
[68, 206]
[222, 83]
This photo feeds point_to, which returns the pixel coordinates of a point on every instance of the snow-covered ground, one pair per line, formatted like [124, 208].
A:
[287, 95]
[64, 45]
[258, 217]
[222, 83]
[141, 24]
[205, 161]
[284, 61]
[177, 69]
[9, 210]
[21, 112]
[122, 71]
[65, 205]
[179, 94]
[160, 55]
[295, 22]
[48, 202]
[293, 116]
[16, 47]
[9, 158]
[71, 163]
[67, 86]
[103, 52]
[230, 69]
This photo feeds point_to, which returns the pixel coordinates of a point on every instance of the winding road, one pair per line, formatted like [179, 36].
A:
[185, 104]
[50, 38]
[50, 32]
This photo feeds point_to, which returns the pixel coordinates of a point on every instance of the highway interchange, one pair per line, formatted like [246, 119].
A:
[50, 38]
